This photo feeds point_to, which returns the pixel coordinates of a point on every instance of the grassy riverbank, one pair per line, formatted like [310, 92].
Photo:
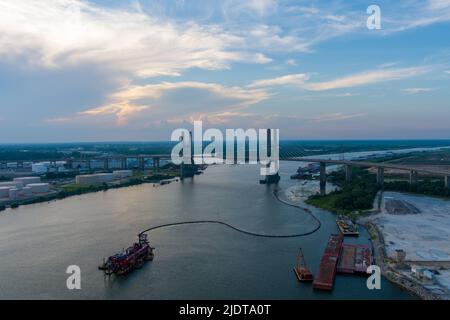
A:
[355, 196]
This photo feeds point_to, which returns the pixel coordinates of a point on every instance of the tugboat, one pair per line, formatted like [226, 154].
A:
[129, 259]
[301, 270]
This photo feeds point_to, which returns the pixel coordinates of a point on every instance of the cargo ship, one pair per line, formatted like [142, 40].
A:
[301, 270]
[129, 259]
[327, 268]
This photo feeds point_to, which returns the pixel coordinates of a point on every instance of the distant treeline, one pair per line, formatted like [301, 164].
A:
[358, 195]
[425, 187]
[288, 148]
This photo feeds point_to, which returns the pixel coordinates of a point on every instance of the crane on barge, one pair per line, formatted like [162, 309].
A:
[302, 270]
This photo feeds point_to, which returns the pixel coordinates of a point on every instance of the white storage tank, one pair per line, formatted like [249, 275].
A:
[13, 194]
[4, 192]
[39, 187]
[12, 184]
[27, 192]
[28, 180]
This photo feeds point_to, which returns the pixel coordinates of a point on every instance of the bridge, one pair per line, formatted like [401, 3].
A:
[105, 162]
[140, 162]
[413, 171]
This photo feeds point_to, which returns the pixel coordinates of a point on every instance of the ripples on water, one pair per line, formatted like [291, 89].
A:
[38, 242]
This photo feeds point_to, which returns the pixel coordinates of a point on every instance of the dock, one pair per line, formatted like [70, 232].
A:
[327, 268]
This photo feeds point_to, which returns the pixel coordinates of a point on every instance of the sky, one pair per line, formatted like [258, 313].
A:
[135, 70]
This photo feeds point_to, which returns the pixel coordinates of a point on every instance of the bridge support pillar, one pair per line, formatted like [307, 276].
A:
[447, 182]
[124, 163]
[323, 178]
[380, 177]
[413, 177]
[141, 163]
[348, 173]
[106, 164]
[155, 164]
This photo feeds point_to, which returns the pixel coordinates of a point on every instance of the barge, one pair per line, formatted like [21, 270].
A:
[347, 226]
[354, 259]
[327, 268]
[301, 270]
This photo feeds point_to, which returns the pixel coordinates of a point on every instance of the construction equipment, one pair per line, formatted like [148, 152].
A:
[129, 259]
[302, 270]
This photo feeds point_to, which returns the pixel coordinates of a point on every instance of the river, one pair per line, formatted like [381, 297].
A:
[38, 242]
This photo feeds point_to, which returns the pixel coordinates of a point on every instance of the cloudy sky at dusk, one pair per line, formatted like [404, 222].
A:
[105, 70]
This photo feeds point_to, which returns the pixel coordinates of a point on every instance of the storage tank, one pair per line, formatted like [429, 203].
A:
[13, 194]
[39, 187]
[4, 192]
[27, 192]
[28, 180]
[12, 184]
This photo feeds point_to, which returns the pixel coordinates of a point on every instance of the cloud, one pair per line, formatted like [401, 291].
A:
[355, 80]
[366, 78]
[258, 8]
[69, 32]
[291, 80]
[415, 14]
[417, 90]
[173, 102]
[274, 120]
[291, 62]
[438, 4]
[339, 116]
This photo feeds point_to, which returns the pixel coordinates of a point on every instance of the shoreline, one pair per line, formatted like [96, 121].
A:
[61, 194]
[379, 253]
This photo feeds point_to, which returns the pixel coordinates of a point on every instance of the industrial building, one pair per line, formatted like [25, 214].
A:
[97, 178]
[28, 180]
[44, 167]
[122, 174]
[39, 187]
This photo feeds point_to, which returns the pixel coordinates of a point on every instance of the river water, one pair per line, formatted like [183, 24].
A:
[38, 242]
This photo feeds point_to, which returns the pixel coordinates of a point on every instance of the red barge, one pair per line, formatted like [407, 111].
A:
[327, 269]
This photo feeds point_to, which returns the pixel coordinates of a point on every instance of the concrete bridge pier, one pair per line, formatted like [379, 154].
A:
[447, 182]
[413, 177]
[124, 163]
[380, 177]
[348, 173]
[323, 178]
[155, 164]
[141, 163]
[106, 164]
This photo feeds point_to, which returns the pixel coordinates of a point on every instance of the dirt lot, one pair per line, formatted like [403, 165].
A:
[424, 235]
